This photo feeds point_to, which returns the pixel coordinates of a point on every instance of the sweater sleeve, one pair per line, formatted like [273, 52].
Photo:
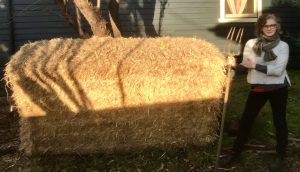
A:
[279, 67]
[261, 68]
[246, 55]
[248, 51]
[240, 68]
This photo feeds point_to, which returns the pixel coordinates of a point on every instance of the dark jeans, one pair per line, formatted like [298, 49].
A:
[255, 101]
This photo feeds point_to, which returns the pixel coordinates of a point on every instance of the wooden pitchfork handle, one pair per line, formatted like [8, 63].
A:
[230, 54]
[228, 83]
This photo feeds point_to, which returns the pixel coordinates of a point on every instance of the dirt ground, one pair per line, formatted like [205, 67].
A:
[9, 134]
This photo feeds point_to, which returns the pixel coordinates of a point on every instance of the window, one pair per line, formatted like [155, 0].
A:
[240, 10]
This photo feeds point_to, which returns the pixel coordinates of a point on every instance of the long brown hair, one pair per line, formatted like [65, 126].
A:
[262, 20]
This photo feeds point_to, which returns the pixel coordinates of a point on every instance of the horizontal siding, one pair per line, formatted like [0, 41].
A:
[173, 23]
[186, 11]
[3, 12]
[39, 19]
[180, 27]
[30, 2]
[42, 36]
[35, 12]
[39, 2]
[45, 18]
[45, 25]
[4, 36]
[62, 30]
[181, 18]
[4, 33]
[20, 7]
[4, 26]
[33, 7]
[4, 19]
[171, 5]
[158, 1]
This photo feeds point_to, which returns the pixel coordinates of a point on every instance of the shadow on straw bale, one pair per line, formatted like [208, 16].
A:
[116, 94]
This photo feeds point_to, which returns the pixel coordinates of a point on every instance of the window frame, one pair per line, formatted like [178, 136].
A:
[240, 17]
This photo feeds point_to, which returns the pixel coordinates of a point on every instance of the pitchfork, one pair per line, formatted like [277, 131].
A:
[230, 52]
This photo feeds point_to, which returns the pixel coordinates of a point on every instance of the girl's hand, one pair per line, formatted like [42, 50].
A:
[248, 63]
[231, 61]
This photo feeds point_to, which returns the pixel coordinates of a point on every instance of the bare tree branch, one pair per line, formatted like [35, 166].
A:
[98, 24]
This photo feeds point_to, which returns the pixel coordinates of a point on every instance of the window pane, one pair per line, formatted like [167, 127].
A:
[239, 7]
[249, 7]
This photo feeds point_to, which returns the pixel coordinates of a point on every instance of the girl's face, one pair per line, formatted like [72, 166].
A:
[269, 29]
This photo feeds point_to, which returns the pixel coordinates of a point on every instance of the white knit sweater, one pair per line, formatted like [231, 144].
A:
[276, 69]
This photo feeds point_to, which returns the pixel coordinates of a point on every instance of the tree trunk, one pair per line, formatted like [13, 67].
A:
[98, 24]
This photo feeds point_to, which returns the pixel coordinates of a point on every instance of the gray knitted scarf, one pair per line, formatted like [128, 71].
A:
[266, 44]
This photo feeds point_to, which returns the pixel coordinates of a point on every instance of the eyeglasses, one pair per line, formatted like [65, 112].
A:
[271, 26]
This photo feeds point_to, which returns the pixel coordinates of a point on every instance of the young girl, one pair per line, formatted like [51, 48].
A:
[265, 58]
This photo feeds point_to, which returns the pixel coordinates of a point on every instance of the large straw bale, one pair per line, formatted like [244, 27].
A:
[116, 94]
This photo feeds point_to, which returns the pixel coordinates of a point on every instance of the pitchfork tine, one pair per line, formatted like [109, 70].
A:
[226, 47]
[241, 36]
[239, 40]
[232, 34]
[233, 37]
[238, 35]
[230, 38]
[229, 33]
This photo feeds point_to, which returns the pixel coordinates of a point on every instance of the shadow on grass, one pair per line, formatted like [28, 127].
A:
[151, 159]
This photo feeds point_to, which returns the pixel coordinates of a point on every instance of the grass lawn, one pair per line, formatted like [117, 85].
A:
[183, 159]
[263, 130]
[263, 127]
